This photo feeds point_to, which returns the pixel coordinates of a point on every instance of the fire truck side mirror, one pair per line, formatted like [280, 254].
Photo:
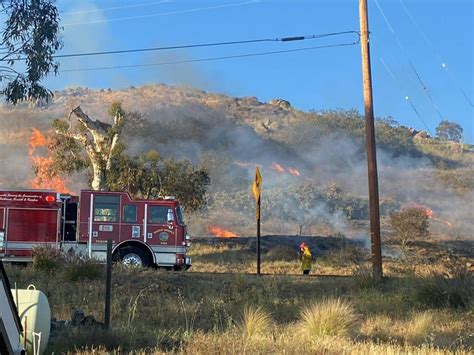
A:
[170, 216]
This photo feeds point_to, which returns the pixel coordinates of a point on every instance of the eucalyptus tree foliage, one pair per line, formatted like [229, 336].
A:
[149, 176]
[29, 40]
[449, 131]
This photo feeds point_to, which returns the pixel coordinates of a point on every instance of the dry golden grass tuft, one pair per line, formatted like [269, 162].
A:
[420, 327]
[330, 317]
[255, 323]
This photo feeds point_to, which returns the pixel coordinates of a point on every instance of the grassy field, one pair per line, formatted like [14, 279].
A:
[422, 307]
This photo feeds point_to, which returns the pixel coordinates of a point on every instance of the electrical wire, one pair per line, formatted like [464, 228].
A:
[436, 53]
[407, 98]
[417, 75]
[115, 7]
[208, 59]
[176, 12]
[199, 45]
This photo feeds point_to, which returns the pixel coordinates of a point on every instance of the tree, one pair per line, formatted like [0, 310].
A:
[410, 224]
[449, 131]
[96, 138]
[30, 39]
[97, 146]
[151, 176]
[393, 138]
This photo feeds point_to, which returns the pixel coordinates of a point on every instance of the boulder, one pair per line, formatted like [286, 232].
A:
[283, 104]
[422, 135]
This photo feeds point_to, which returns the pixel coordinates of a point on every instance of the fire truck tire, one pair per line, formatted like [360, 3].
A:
[132, 256]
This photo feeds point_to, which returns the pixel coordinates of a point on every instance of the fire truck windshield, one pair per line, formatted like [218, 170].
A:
[179, 212]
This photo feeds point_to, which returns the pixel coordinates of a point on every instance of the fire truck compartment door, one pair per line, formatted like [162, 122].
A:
[27, 228]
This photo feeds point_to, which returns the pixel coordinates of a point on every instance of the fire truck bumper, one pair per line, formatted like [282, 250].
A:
[188, 263]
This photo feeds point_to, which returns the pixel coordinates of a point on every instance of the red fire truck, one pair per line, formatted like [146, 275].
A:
[144, 232]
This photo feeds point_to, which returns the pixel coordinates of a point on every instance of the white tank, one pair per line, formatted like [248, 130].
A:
[35, 315]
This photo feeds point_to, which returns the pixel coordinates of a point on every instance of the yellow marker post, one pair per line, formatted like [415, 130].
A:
[257, 189]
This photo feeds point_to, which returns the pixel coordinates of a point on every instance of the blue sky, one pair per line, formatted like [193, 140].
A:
[328, 78]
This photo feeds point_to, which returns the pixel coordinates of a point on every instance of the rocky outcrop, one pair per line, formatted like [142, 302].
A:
[422, 135]
[280, 103]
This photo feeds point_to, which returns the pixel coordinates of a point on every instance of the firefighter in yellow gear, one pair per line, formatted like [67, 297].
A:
[306, 258]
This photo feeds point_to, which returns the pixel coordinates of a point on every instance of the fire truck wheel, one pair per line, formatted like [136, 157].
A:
[132, 256]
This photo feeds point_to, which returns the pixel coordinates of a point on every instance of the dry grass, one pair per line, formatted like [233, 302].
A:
[154, 311]
[331, 317]
[420, 327]
[378, 328]
[428, 328]
[255, 322]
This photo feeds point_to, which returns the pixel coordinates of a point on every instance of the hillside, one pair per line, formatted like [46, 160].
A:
[313, 163]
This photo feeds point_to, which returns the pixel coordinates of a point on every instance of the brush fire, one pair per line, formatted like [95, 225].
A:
[427, 211]
[42, 164]
[279, 168]
[221, 232]
[294, 172]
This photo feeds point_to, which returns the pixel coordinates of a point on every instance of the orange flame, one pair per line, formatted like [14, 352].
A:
[275, 166]
[278, 168]
[221, 232]
[37, 139]
[44, 179]
[294, 172]
[428, 211]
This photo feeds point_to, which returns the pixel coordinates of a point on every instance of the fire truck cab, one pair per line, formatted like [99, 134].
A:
[143, 232]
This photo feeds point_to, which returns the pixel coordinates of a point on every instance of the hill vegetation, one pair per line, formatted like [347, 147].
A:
[313, 163]
[314, 190]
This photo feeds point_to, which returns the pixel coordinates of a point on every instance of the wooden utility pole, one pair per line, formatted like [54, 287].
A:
[108, 285]
[376, 249]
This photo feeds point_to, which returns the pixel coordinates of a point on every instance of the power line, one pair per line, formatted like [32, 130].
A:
[436, 53]
[417, 75]
[199, 45]
[115, 7]
[176, 12]
[407, 98]
[209, 59]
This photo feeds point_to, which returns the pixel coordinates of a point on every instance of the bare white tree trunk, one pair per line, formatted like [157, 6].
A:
[98, 182]
[99, 140]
